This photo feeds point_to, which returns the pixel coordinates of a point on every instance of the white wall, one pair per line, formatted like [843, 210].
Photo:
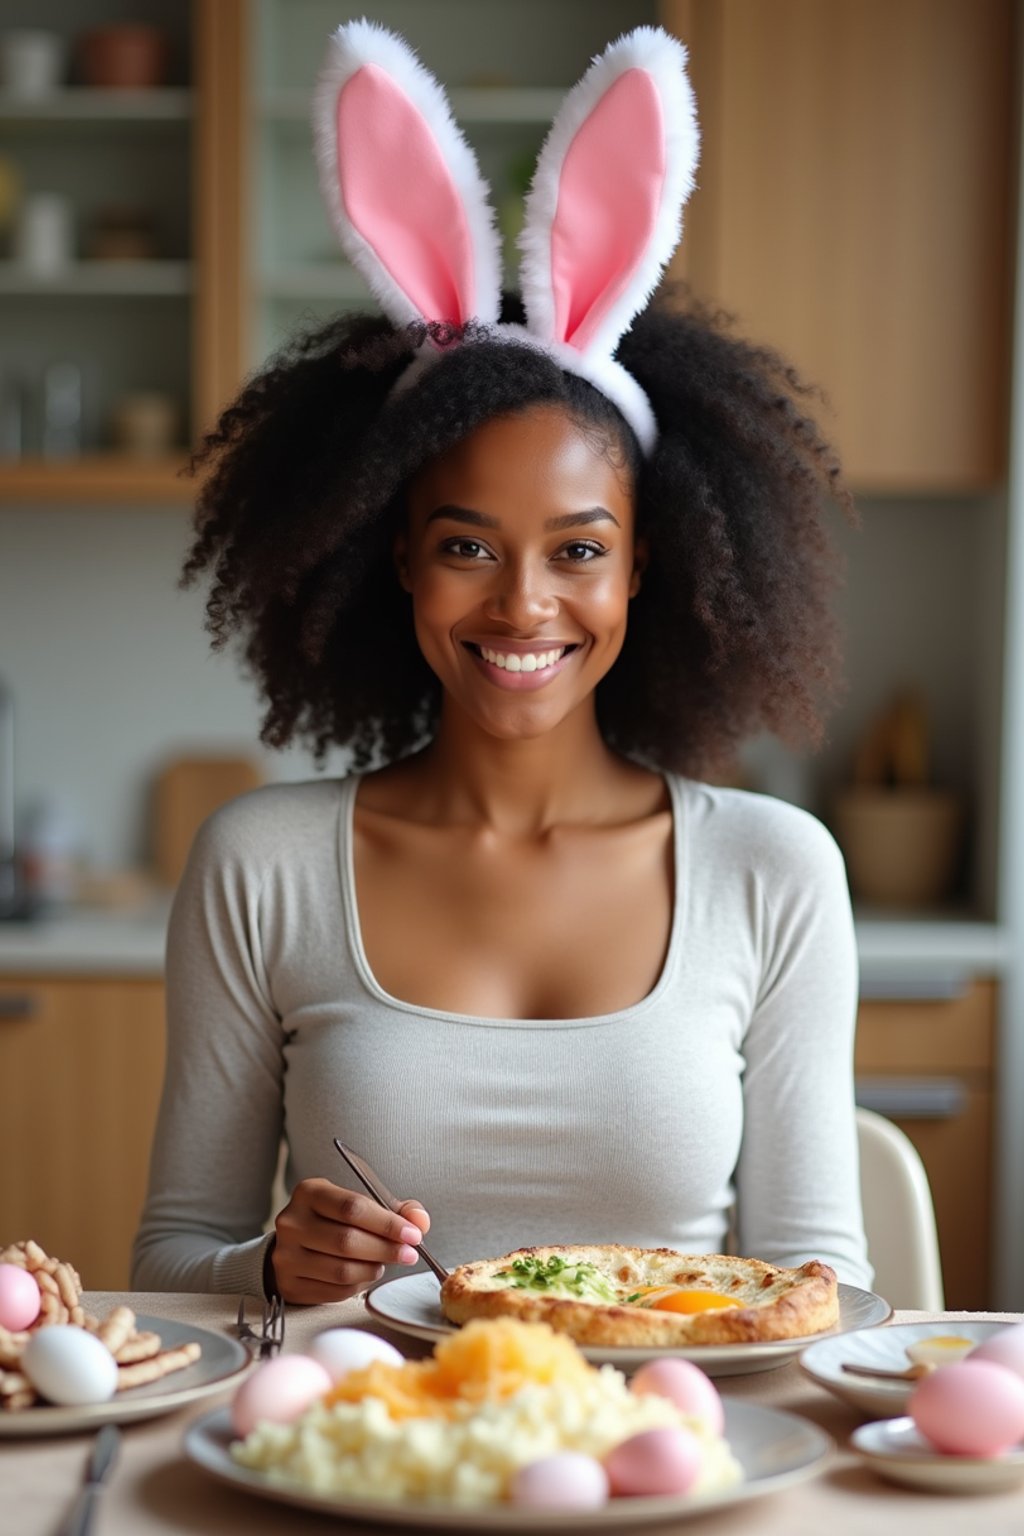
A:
[111, 668]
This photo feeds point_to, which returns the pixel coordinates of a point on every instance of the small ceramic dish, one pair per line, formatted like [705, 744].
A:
[884, 1349]
[896, 1450]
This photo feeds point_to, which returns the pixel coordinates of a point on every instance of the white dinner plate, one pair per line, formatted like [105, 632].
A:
[897, 1450]
[411, 1305]
[222, 1360]
[885, 1349]
[774, 1449]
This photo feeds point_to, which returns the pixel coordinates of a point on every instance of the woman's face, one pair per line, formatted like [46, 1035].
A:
[520, 558]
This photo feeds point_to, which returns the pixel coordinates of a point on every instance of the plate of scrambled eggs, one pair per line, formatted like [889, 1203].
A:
[452, 1441]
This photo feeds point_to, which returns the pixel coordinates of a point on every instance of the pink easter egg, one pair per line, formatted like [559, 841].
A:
[657, 1461]
[685, 1385]
[970, 1408]
[19, 1298]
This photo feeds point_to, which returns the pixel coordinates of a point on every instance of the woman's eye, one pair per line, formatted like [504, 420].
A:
[581, 550]
[466, 549]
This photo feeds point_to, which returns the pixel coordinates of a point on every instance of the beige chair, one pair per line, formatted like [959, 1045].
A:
[899, 1216]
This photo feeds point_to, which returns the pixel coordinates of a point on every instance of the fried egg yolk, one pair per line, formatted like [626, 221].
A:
[940, 1349]
[662, 1298]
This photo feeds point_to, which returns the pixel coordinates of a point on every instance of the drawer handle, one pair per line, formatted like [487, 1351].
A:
[915, 987]
[912, 1098]
[17, 1005]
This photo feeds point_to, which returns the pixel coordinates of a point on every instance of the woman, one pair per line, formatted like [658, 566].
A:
[541, 975]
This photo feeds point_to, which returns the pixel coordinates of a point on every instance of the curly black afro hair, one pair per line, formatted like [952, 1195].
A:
[303, 491]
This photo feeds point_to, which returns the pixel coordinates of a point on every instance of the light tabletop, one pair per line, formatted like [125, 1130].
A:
[154, 1489]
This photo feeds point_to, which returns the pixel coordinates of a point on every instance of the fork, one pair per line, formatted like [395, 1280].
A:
[373, 1185]
[270, 1337]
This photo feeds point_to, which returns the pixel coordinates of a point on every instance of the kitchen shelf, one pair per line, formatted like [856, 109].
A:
[87, 104]
[116, 279]
[315, 280]
[491, 104]
[97, 477]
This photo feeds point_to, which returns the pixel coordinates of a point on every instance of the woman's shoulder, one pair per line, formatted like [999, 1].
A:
[760, 830]
[287, 815]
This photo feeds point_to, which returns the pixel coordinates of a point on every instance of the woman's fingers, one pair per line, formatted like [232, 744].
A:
[413, 1211]
[333, 1242]
[309, 1292]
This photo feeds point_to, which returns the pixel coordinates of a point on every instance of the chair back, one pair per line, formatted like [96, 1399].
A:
[899, 1217]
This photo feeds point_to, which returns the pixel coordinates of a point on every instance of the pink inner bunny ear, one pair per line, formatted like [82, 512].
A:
[398, 193]
[609, 195]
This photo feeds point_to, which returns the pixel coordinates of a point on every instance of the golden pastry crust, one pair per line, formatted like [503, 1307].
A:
[774, 1303]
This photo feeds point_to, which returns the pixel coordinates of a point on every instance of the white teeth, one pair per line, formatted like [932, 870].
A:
[531, 661]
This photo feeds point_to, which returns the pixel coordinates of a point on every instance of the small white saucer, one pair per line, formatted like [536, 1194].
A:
[885, 1349]
[896, 1449]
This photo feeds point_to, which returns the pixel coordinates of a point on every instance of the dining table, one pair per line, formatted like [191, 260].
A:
[154, 1488]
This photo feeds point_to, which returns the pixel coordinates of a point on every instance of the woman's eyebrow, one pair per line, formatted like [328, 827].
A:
[552, 524]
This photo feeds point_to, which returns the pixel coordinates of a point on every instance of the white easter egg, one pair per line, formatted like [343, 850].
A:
[69, 1366]
[340, 1350]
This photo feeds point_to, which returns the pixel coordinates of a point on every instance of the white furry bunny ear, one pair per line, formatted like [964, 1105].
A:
[402, 186]
[604, 213]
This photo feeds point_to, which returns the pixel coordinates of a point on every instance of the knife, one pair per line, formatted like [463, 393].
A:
[101, 1459]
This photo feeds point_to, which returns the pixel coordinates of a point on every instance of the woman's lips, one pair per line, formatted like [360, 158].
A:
[520, 682]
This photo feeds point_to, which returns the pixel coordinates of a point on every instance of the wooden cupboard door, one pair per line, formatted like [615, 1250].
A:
[942, 1049]
[853, 211]
[81, 1063]
[954, 1034]
[957, 1155]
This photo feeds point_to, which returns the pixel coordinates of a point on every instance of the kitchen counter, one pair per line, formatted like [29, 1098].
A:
[88, 941]
[898, 956]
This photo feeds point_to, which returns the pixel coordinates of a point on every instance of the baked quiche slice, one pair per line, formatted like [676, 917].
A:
[609, 1294]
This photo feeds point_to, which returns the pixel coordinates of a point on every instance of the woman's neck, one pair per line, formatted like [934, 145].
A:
[522, 787]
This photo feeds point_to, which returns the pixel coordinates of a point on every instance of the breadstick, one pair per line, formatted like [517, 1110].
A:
[142, 1346]
[160, 1365]
[51, 1310]
[70, 1293]
[11, 1382]
[18, 1400]
[11, 1346]
[36, 1257]
[117, 1328]
[46, 1283]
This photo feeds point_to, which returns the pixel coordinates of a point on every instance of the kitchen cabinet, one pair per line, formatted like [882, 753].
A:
[854, 211]
[166, 322]
[81, 1064]
[928, 1065]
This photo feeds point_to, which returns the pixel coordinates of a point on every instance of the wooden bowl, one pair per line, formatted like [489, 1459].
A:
[901, 845]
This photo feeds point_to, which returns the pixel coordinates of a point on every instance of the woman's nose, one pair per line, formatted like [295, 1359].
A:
[521, 596]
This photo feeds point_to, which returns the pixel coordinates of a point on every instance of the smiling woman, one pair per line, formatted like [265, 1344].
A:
[539, 568]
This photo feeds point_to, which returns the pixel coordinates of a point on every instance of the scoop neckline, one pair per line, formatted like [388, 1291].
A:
[347, 880]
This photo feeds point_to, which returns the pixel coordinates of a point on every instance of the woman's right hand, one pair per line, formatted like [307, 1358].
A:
[331, 1243]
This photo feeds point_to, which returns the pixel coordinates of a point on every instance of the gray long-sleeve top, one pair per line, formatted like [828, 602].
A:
[729, 1085]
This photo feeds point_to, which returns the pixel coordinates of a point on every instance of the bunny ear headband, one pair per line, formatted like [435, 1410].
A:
[603, 215]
